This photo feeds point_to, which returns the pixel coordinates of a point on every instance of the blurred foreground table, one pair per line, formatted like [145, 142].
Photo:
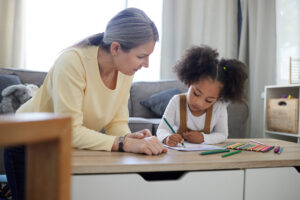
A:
[47, 138]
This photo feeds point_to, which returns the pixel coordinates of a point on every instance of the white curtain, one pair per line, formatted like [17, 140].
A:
[11, 54]
[258, 51]
[197, 22]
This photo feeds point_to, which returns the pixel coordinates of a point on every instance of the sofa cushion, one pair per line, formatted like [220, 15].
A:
[141, 90]
[8, 80]
[158, 102]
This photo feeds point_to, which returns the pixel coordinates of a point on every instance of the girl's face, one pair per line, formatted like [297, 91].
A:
[202, 94]
[130, 62]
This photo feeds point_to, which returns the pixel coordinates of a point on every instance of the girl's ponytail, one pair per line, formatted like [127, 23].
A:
[232, 74]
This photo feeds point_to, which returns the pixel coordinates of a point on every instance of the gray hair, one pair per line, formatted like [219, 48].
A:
[130, 28]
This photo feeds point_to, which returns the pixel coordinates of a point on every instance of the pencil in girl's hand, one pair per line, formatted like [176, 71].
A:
[172, 129]
[169, 125]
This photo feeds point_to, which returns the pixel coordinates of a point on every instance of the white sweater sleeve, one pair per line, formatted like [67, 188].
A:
[219, 123]
[170, 114]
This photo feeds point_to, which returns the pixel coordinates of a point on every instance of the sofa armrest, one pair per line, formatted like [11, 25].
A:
[26, 76]
[138, 123]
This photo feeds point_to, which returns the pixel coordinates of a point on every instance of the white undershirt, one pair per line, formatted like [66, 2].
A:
[218, 124]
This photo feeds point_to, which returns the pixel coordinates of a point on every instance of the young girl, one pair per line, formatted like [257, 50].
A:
[200, 115]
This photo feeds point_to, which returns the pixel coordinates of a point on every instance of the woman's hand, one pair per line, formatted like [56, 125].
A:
[193, 137]
[140, 134]
[173, 140]
[147, 145]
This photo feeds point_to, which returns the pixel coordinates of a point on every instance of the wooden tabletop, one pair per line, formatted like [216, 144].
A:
[91, 162]
[47, 137]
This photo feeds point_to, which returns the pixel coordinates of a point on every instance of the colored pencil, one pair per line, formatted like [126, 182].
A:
[276, 149]
[231, 153]
[265, 148]
[214, 151]
[227, 145]
[269, 148]
[172, 129]
[238, 145]
[243, 146]
[260, 148]
[280, 150]
[249, 147]
[255, 147]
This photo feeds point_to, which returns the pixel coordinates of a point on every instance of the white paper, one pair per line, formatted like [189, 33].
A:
[194, 147]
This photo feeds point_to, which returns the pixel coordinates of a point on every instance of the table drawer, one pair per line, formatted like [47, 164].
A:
[191, 185]
[272, 183]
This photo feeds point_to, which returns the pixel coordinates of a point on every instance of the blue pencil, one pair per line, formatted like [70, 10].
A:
[280, 150]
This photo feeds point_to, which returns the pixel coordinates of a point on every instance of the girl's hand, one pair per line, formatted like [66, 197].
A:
[193, 137]
[140, 134]
[173, 140]
[147, 145]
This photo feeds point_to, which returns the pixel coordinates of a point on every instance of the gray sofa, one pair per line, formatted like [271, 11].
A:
[141, 117]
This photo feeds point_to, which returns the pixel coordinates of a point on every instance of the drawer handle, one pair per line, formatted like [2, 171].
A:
[162, 176]
[282, 103]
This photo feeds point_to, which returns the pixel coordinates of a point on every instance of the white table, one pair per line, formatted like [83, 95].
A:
[188, 175]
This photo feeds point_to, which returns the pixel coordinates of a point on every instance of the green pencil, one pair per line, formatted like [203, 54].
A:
[231, 153]
[214, 151]
[172, 129]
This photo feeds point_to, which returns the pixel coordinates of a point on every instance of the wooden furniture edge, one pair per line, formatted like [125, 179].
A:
[47, 138]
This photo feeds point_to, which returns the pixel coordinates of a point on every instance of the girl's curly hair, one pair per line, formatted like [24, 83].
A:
[202, 62]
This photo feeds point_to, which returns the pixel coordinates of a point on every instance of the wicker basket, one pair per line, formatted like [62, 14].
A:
[282, 115]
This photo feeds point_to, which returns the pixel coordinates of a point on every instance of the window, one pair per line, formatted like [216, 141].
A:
[153, 9]
[288, 40]
[53, 25]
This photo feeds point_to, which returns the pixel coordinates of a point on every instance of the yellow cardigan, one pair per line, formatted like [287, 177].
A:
[74, 86]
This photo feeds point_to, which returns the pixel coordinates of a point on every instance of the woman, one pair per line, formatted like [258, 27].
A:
[91, 82]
